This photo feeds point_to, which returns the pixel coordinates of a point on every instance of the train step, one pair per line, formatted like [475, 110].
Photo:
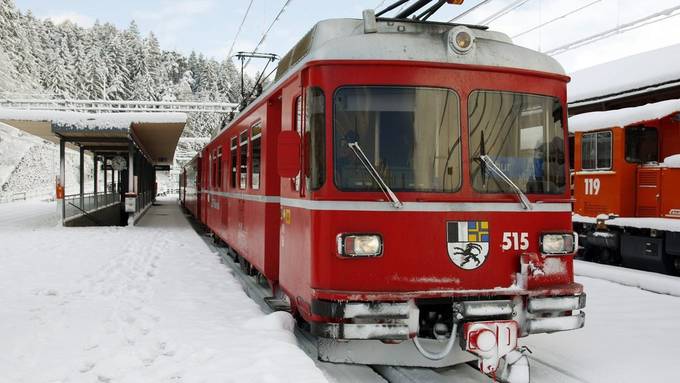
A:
[277, 304]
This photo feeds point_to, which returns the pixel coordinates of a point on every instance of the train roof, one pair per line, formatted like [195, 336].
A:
[623, 117]
[408, 40]
[404, 40]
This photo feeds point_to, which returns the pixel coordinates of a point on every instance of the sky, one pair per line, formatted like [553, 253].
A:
[210, 26]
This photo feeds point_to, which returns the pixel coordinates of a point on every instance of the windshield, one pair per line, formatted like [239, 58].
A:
[523, 135]
[411, 136]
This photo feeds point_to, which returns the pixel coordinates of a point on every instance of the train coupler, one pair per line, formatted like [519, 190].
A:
[490, 342]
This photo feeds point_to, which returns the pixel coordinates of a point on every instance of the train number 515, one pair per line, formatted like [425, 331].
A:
[592, 186]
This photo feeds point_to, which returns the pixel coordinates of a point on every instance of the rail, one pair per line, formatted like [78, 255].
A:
[99, 106]
[76, 205]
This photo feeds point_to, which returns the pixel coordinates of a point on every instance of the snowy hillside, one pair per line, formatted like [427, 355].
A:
[40, 59]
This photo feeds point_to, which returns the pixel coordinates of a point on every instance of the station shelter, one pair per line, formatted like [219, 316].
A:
[127, 150]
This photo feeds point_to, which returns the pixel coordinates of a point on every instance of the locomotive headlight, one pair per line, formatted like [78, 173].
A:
[558, 243]
[359, 245]
[461, 39]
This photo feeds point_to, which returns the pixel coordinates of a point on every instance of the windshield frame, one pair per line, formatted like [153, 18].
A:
[457, 140]
[470, 150]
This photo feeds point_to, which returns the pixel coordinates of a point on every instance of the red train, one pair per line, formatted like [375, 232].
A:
[403, 181]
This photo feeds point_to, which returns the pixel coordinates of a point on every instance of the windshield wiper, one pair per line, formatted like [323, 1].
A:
[374, 173]
[497, 170]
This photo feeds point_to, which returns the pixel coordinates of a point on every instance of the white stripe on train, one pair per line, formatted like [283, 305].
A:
[408, 206]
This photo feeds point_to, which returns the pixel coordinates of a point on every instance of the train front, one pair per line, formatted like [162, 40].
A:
[440, 208]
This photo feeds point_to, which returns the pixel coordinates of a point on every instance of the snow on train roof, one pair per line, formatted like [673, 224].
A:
[633, 74]
[99, 121]
[622, 117]
[338, 39]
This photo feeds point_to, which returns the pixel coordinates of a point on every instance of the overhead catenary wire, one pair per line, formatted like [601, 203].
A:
[240, 27]
[635, 24]
[511, 7]
[557, 18]
[470, 10]
[264, 35]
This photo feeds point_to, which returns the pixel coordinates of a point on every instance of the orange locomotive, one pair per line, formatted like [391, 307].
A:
[626, 181]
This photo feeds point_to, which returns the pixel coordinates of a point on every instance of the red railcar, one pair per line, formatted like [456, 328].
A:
[404, 180]
[191, 186]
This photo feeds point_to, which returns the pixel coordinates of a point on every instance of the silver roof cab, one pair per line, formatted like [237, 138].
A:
[404, 40]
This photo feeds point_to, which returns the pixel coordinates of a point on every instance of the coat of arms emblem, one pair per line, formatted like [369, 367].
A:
[468, 243]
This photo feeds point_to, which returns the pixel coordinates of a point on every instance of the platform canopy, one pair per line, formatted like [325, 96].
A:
[155, 134]
[632, 81]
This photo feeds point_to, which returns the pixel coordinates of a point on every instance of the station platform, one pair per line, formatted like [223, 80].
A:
[143, 303]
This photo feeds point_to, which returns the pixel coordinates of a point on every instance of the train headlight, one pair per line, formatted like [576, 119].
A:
[558, 243]
[461, 39]
[359, 245]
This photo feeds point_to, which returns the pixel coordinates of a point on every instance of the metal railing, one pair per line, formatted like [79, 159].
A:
[41, 194]
[76, 204]
[143, 200]
[98, 106]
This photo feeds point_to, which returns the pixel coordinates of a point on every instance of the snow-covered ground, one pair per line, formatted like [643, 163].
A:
[140, 304]
[153, 304]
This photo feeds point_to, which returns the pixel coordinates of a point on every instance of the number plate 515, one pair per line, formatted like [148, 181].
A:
[515, 241]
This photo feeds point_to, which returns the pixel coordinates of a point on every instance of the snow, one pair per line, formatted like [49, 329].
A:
[662, 284]
[630, 335]
[626, 75]
[115, 121]
[153, 304]
[131, 304]
[672, 161]
[622, 117]
[666, 224]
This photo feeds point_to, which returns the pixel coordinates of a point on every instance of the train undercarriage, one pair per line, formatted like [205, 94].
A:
[641, 248]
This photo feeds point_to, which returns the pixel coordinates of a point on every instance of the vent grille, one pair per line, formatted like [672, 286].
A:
[648, 178]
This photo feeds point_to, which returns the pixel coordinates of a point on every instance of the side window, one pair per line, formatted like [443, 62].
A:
[298, 128]
[243, 147]
[234, 153]
[256, 142]
[219, 167]
[642, 144]
[315, 139]
[596, 151]
[210, 170]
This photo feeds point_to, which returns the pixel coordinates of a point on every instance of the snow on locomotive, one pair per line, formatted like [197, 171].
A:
[402, 187]
[626, 180]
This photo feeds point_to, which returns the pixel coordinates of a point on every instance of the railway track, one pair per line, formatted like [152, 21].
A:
[335, 372]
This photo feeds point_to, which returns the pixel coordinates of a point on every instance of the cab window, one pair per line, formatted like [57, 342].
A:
[642, 144]
[596, 151]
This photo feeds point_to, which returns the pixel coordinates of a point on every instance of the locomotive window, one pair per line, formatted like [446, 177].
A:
[243, 168]
[642, 144]
[234, 149]
[256, 141]
[596, 151]
[219, 167]
[298, 128]
[410, 135]
[523, 134]
[210, 166]
[316, 139]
